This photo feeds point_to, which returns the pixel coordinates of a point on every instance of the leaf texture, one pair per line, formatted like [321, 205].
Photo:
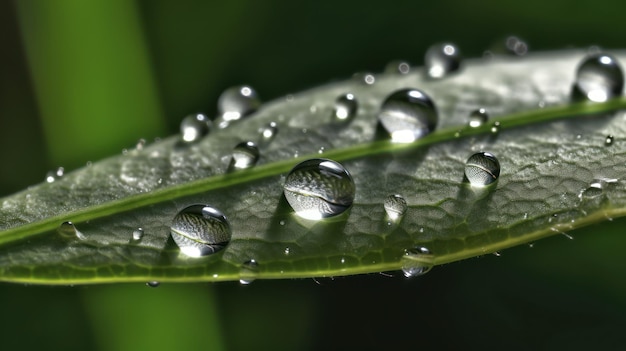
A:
[551, 150]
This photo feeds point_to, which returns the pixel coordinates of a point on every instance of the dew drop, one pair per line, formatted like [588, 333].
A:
[319, 188]
[408, 115]
[140, 144]
[478, 117]
[516, 46]
[411, 266]
[365, 78]
[442, 59]
[137, 234]
[599, 78]
[153, 284]
[194, 127]
[495, 127]
[345, 107]
[237, 102]
[67, 229]
[609, 140]
[395, 206]
[596, 188]
[200, 230]
[245, 155]
[57, 174]
[398, 67]
[287, 251]
[482, 169]
[268, 133]
[249, 272]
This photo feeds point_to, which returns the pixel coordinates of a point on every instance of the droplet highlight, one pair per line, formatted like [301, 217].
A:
[478, 117]
[608, 141]
[407, 115]
[413, 264]
[194, 127]
[395, 207]
[249, 272]
[319, 188]
[245, 155]
[482, 169]
[442, 60]
[200, 230]
[345, 107]
[237, 102]
[268, 133]
[599, 78]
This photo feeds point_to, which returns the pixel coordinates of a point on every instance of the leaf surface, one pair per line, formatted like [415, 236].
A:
[551, 153]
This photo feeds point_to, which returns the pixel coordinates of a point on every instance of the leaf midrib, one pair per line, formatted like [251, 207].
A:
[276, 168]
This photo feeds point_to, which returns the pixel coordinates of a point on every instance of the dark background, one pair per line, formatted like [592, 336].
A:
[559, 294]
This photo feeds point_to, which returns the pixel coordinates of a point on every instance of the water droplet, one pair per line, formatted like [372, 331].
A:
[609, 140]
[599, 78]
[248, 272]
[365, 78]
[194, 127]
[268, 133]
[57, 174]
[516, 46]
[398, 67]
[345, 107]
[319, 188]
[287, 251]
[482, 169]
[442, 59]
[411, 265]
[478, 117]
[140, 144]
[495, 127]
[408, 115]
[245, 155]
[395, 206]
[67, 229]
[237, 102]
[200, 230]
[153, 284]
[137, 234]
[321, 150]
[596, 188]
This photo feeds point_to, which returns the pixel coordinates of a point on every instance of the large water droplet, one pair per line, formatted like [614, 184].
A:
[237, 102]
[345, 107]
[442, 59]
[395, 206]
[200, 230]
[411, 263]
[478, 117]
[482, 169]
[319, 188]
[245, 155]
[249, 272]
[57, 174]
[599, 78]
[194, 127]
[408, 114]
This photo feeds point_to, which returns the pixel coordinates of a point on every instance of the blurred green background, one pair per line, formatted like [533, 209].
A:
[81, 80]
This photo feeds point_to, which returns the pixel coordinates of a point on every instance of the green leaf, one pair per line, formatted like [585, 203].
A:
[550, 150]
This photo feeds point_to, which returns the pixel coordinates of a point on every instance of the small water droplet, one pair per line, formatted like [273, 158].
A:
[482, 169]
[287, 251]
[365, 78]
[442, 59]
[268, 133]
[200, 230]
[411, 266]
[249, 272]
[599, 78]
[245, 155]
[153, 284]
[398, 67]
[319, 188]
[497, 253]
[67, 229]
[345, 107]
[137, 234]
[596, 188]
[237, 102]
[57, 174]
[478, 117]
[495, 127]
[194, 127]
[516, 46]
[321, 150]
[140, 144]
[609, 140]
[408, 115]
[395, 206]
